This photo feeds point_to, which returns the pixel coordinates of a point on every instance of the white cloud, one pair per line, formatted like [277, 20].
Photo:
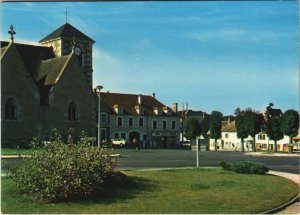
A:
[234, 35]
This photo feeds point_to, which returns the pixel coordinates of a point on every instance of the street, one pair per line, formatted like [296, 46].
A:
[170, 158]
[164, 158]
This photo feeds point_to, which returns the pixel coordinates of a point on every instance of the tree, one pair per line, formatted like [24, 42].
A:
[273, 130]
[215, 126]
[240, 124]
[253, 123]
[204, 127]
[272, 125]
[192, 129]
[290, 123]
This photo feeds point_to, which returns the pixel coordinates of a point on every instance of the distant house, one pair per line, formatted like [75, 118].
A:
[142, 117]
[230, 142]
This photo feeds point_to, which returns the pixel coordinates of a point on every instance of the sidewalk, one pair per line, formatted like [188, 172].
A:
[272, 154]
[28, 156]
[295, 207]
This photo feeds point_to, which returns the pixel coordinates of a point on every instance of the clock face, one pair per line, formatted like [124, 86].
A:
[77, 50]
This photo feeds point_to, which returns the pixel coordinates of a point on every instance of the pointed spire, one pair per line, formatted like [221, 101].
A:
[12, 32]
[66, 15]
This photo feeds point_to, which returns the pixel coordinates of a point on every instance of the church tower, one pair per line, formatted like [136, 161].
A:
[63, 39]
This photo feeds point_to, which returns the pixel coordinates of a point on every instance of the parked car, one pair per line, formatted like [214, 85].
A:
[186, 143]
[119, 142]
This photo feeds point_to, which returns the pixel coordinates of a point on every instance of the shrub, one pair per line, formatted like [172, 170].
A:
[64, 171]
[224, 165]
[245, 167]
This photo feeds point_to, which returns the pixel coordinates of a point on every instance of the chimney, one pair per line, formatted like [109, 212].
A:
[153, 95]
[140, 99]
[175, 107]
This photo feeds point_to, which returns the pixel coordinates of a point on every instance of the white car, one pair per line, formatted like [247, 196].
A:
[186, 143]
[119, 142]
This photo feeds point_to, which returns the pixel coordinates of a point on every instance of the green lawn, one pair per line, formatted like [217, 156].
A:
[8, 151]
[202, 191]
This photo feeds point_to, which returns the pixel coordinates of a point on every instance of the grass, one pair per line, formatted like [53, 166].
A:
[14, 151]
[198, 191]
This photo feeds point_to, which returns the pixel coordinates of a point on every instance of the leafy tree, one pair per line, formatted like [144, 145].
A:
[240, 124]
[253, 123]
[215, 126]
[273, 131]
[290, 123]
[272, 125]
[204, 128]
[192, 129]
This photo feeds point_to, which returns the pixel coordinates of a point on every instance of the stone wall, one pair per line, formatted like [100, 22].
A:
[73, 86]
[16, 82]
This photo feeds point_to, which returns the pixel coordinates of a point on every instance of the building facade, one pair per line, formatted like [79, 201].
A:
[230, 142]
[48, 86]
[143, 117]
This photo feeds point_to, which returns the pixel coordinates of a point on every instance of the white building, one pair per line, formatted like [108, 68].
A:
[230, 142]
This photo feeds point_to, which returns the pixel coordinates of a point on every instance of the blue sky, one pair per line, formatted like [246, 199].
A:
[211, 55]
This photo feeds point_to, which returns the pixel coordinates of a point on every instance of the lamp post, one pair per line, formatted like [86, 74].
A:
[98, 88]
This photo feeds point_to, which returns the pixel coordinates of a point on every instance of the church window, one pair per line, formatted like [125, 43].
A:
[72, 111]
[11, 109]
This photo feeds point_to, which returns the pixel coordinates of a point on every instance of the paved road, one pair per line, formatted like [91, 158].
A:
[161, 158]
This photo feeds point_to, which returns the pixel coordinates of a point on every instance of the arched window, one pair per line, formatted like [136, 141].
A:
[72, 111]
[10, 109]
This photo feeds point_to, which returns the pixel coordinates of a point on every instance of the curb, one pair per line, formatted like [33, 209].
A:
[282, 207]
[285, 205]
[28, 156]
[271, 154]
[14, 156]
[115, 155]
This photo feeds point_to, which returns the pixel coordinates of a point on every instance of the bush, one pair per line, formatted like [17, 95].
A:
[64, 171]
[245, 167]
[224, 165]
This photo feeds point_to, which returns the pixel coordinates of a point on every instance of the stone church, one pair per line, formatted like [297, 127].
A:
[47, 86]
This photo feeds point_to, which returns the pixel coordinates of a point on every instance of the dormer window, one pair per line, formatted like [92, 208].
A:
[167, 111]
[118, 109]
[139, 109]
[157, 111]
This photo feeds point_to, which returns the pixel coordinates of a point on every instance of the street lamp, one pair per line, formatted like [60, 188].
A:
[98, 89]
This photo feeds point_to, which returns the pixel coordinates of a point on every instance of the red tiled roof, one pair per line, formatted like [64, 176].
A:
[228, 126]
[129, 101]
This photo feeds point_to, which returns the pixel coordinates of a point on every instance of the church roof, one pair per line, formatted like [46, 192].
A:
[32, 55]
[51, 69]
[66, 31]
[2, 50]
[129, 101]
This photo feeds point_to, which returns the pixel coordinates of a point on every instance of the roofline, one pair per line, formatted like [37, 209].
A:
[127, 94]
[6, 48]
[60, 38]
